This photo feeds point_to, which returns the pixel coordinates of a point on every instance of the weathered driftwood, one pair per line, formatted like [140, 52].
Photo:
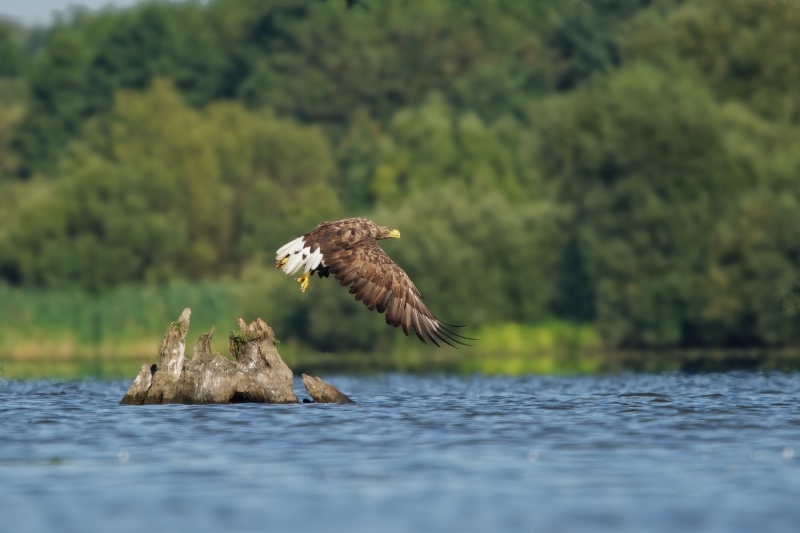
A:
[257, 373]
[322, 392]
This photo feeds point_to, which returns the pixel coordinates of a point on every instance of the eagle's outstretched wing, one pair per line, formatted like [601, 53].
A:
[380, 284]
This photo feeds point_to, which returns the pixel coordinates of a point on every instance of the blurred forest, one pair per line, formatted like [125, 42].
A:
[630, 166]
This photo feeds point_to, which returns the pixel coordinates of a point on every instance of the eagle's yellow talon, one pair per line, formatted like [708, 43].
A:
[303, 280]
[279, 264]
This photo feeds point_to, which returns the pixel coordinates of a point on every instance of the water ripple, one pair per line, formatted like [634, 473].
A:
[623, 453]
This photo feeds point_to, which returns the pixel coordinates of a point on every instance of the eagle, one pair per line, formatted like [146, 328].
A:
[348, 249]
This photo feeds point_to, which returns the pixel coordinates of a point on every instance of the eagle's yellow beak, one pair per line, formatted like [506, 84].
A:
[394, 234]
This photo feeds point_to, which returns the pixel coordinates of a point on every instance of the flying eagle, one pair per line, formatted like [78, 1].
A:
[349, 250]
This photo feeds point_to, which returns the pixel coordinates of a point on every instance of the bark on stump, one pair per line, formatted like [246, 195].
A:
[322, 392]
[257, 373]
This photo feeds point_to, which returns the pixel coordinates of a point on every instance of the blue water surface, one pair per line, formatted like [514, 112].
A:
[622, 453]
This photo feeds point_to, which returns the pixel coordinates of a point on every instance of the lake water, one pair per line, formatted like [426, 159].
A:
[672, 452]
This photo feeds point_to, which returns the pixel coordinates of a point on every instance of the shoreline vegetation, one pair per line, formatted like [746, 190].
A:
[573, 180]
[109, 365]
[76, 335]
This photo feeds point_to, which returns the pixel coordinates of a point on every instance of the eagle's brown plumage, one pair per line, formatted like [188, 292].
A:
[348, 250]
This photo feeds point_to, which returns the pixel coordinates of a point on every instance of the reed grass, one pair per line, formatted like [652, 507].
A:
[69, 334]
[126, 322]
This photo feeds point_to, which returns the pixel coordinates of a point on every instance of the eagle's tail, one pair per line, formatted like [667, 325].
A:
[295, 255]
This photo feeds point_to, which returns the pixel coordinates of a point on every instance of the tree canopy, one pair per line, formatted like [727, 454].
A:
[631, 164]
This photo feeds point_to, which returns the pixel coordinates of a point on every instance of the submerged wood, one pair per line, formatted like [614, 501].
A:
[257, 374]
[322, 392]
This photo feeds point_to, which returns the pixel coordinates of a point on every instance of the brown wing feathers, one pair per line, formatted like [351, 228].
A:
[356, 260]
[376, 281]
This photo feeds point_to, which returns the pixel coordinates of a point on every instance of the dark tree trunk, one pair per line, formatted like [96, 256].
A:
[257, 373]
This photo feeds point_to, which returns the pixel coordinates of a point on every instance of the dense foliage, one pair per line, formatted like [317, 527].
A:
[630, 164]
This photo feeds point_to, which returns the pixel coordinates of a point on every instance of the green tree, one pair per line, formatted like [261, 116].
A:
[85, 63]
[480, 257]
[173, 192]
[11, 53]
[316, 61]
[641, 157]
[756, 252]
[756, 261]
[157, 40]
[58, 107]
[745, 49]
[431, 144]
[10, 116]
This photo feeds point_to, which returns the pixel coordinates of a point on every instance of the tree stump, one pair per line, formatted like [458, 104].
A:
[257, 374]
